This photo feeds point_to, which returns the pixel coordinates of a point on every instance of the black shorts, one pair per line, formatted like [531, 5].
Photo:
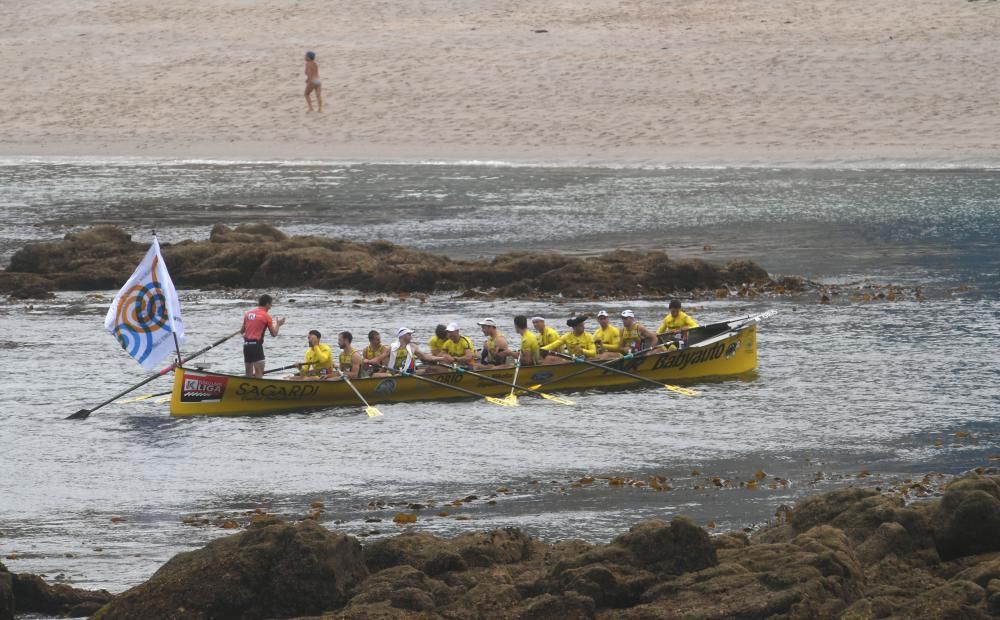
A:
[253, 351]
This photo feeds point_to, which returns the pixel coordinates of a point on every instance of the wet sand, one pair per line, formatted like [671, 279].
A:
[790, 81]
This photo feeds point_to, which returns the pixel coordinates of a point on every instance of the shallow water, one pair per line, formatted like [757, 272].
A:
[841, 390]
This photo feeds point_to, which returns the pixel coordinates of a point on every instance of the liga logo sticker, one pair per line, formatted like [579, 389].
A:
[203, 388]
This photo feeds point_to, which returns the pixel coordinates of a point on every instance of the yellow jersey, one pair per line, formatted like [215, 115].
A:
[547, 336]
[529, 346]
[319, 358]
[610, 337]
[570, 340]
[682, 321]
[370, 354]
[491, 346]
[458, 349]
[346, 359]
[631, 339]
[435, 344]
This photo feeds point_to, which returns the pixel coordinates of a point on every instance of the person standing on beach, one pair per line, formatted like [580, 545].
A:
[255, 322]
[313, 82]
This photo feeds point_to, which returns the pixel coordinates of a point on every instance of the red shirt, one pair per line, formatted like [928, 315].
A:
[255, 322]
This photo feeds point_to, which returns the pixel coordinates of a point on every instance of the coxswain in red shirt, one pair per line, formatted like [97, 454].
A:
[255, 323]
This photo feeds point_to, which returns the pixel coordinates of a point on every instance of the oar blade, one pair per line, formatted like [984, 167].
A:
[79, 415]
[501, 401]
[535, 387]
[511, 398]
[139, 398]
[680, 390]
[556, 399]
[372, 412]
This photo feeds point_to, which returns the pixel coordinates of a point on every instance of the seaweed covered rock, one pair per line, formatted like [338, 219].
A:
[677, 547]
[22, 593]
[6, 594]
[259, 255]
[277, 571]
[968, 520]
[852, 553]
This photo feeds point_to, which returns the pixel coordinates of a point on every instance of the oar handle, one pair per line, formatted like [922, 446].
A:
[289, 367]
[85, 413]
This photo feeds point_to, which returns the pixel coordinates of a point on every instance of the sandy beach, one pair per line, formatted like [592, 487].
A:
[742, 81]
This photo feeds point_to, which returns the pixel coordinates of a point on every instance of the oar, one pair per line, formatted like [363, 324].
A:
[512, 397]
[371, 411]
[672, 388]
[513, 402]
[627, 356]
[84, 413]
[495, 401]
[148, 396]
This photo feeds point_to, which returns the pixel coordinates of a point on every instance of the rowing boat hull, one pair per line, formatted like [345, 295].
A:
[199, 392]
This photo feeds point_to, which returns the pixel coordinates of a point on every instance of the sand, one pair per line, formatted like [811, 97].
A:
[648, 81]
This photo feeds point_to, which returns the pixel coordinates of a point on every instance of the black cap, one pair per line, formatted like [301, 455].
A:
[675, 303]
[577, 320]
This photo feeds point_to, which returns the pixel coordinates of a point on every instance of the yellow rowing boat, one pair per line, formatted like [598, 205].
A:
[726, 351]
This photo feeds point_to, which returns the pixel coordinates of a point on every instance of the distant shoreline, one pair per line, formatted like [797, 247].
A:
[665, 157]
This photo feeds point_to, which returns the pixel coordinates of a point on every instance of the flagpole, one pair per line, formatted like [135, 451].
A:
[177, 345]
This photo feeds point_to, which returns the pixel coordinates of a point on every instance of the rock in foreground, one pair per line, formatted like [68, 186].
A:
[853, 553]
[261, 256]
[24, 593]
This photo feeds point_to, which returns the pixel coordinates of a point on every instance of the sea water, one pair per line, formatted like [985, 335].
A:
[849, 393]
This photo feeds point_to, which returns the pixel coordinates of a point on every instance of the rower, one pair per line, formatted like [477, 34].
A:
[529, 355]
[440, 335]
[495, 350]
[607, 338]
[254, 323]
[677, 322]
[458, 348]
[319, 358]
[634, 335]
[350, 359]
[576, 342]
[403, 354]
[546, 335]
[375, 354]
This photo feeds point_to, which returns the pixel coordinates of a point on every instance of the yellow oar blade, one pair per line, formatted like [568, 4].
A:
[556, 399]
[680, 390]
[138, 398]
[535, 387]
[372, 412]
[502, 402]
[511, 398]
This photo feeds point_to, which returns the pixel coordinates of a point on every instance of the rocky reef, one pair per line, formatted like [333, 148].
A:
[261, 256]
[25, 593]
[851, 553]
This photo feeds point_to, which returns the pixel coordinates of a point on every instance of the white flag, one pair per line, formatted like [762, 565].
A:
[146, 313]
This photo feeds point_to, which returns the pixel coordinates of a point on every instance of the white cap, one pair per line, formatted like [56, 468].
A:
[403, 331]
[487, 323]
[602, 313]
[627, 314]
[452, 327]
[538, 318]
